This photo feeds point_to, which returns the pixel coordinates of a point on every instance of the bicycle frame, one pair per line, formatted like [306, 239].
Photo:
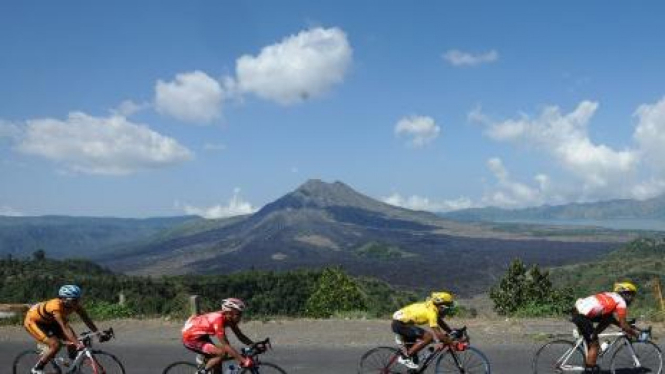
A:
[75, 364]
[615, 337]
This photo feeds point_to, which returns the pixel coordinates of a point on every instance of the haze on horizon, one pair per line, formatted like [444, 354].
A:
[216, 108]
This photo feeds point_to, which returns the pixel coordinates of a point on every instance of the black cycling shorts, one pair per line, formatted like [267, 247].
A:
[586, 328]
[410, 333]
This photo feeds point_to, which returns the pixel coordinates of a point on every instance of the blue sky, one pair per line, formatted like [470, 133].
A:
[153, 108]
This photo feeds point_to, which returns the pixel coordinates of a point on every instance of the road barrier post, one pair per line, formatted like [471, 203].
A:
[195, 305]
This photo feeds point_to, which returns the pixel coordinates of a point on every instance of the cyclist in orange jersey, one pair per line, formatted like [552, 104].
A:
[47, 322]
[604, 309]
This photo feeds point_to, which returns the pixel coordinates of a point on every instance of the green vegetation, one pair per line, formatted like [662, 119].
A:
[299, 293]
[641, 261]
[382, 251]
[529, 293]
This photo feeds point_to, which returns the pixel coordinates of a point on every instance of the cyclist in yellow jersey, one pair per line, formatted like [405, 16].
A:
[431, 312]
[47, 323]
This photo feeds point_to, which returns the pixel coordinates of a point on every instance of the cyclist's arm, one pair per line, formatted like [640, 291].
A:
[628, 329]
[66, 329]
[224, 342]
[86, 319]
[441, 335]
[444, 325]
[242, 337]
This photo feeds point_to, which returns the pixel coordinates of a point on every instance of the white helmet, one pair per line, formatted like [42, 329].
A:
[233, 303]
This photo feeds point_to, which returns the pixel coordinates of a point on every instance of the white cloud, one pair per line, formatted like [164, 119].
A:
[416, 202]
[128, 108]
[422, 130]
[299, 67]
[650, 133]
[192, 97]
[459, 58]
[512, 194]
[564, 137]
[98, 145]
[9, 211]
[236, 206]
[214, 147]
[9, 130]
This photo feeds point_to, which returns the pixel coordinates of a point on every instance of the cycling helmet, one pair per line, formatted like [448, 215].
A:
[625, 287]
[70, 291]
[233, 304]
[442, 298]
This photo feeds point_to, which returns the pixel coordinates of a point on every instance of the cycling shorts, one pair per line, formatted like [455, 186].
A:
[42, 331]
[410, 333]
[202, 345]
[586, 328]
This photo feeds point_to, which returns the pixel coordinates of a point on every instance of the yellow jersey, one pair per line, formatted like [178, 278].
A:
[418, 314]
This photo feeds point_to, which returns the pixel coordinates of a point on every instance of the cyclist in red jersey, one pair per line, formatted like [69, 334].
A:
[198, 330]
[605, 308]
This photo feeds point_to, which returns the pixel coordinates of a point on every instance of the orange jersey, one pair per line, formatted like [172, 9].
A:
[602, 304]
[210, 324]
[46, 311]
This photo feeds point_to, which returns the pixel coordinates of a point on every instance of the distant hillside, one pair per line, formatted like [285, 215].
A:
[321, 224]
[652, 209]
[62, 236]
[640, 261]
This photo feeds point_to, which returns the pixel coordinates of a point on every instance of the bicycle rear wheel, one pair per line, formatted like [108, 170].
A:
[180, 367]
[264, 368]
[469, 361]
[648, 355]
[558, 357]
[26, 360]
[381, 360]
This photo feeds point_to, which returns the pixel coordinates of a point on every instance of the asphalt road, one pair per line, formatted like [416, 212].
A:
[151, 359]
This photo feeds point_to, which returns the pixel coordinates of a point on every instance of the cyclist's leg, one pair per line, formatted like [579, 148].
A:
[215, 354]
[40, 334]
[416, 337]
[585, 327]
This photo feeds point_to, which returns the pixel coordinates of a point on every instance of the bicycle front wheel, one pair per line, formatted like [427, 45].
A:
[469, 361]
[264, 368]
[559, 356]
[180, 367]
[638, 357]
[381, 360]
[26, 360]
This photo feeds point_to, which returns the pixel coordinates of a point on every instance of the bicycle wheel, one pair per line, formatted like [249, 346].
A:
[264, 368]
[558, 357]
[647, 354]
[26, 360]
[469, 361]
[181, 367]
[381, 360]
[102, 363]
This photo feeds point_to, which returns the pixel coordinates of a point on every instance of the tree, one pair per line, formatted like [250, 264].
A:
[336, 292]
[529, 292]
[39, 255]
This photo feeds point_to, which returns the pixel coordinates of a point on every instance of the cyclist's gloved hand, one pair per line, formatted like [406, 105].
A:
[79, 346]
[455, 334]
[643, 336]
[247, 362]
[104, 337]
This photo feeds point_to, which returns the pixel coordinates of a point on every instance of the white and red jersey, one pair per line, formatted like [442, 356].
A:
[602, 304]
[210, 324]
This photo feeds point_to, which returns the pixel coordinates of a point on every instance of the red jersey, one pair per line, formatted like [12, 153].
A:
[602, 304]
[204, 324]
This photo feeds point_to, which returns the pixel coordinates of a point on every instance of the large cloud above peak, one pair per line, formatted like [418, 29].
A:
[100, 145]
[297, 68]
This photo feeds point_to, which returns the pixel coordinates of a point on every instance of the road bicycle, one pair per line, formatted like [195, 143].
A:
[458, 357]
[626, 356]
[87, 360]
[253, 351]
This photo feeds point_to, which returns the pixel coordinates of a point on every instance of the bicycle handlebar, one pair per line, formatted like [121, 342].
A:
[257, 348]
